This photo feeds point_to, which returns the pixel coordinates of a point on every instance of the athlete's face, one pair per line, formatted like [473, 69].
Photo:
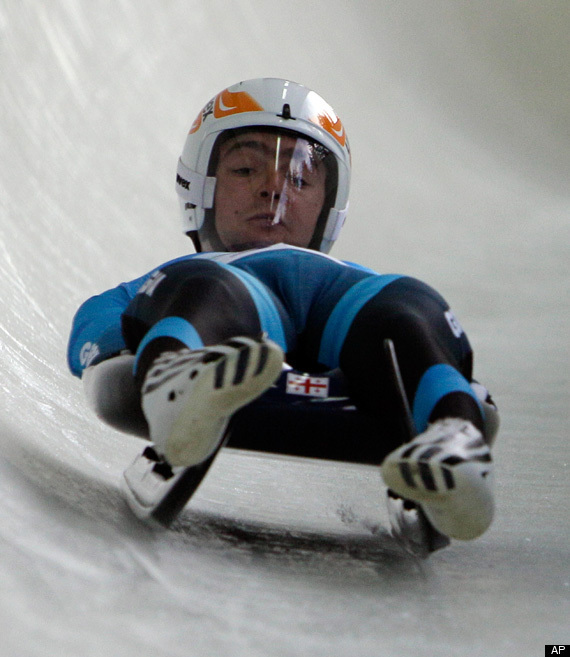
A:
[270, 189]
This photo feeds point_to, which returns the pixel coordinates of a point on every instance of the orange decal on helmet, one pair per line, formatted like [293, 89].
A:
[333, 125]
[226, 104]
[197, 123]
[234, 103]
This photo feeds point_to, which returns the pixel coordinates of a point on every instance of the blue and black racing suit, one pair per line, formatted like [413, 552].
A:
[327, 315]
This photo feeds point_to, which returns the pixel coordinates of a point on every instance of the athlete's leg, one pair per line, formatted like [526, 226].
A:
[199, 334]
[198, 302]
[447, 468]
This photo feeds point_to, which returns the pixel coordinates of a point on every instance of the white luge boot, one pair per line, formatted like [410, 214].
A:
[448, 470]
[188, 396]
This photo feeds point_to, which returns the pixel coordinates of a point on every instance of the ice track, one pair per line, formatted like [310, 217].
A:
[458, 116]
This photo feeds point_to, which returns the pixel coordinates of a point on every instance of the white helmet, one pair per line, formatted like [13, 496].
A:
[267, 103]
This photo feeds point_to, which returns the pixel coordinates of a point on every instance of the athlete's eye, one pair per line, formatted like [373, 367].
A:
[243, 171]
[298, 181]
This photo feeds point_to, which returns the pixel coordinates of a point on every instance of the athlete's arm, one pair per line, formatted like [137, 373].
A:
[96, 331]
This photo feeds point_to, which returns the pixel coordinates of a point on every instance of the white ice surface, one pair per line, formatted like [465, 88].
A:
[458, 114]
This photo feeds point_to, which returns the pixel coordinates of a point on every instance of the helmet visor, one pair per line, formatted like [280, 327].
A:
[272, 186]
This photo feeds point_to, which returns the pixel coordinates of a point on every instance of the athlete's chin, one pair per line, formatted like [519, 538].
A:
[262, 243]
[247, 246]
[261, 239]
[264, 237]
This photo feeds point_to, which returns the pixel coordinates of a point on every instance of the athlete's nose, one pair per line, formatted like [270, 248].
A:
[271, 185]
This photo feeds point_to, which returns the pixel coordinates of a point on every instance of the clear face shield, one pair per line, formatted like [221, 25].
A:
[271, 187]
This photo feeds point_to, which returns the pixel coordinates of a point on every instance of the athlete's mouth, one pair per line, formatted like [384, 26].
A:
[266, 219]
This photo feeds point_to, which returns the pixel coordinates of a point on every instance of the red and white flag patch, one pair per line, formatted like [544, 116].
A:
[310, 386]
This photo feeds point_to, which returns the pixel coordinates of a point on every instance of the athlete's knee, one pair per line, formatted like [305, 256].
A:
[207, 296]
[407, 323]
[409, 328]
[199, 282]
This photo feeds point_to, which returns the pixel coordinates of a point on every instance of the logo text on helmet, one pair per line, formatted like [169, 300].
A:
[227, 103]
[182, 181]
[333, 125]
